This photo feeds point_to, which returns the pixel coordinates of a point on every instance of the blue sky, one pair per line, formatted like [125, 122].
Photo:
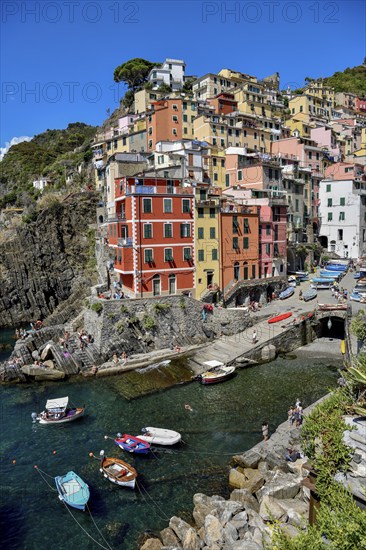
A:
[58, 57]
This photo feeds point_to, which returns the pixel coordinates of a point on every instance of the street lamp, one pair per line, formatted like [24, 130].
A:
[329, 324]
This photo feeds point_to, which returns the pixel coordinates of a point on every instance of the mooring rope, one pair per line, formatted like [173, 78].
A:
[164, 516]
[85, 531]
[108, 547]
[97, 528]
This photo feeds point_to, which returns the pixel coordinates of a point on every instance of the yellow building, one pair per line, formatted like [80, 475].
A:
[310, 106]
[251, 99]
[214, 166]
[207, 238]
[300, 124]
[318, 89]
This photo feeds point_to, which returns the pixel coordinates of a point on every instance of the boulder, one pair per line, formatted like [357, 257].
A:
[270, 510]
[46, 353]
[191, 541]
[179, 526]
[152, 544]
[268, 353]
[282, 486]
[246, 478]
[255, 520]
[250, 459]
[214, 532]
[226, 509]
[240, 521]
[49, 364]
[42, 374]
[168, 537]
[35, 355]
[246, 498]
[245, 545]
[230, 533]
[289, 530]
[204, 505]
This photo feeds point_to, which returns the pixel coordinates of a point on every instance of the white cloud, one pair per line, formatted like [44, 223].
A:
[13, 141]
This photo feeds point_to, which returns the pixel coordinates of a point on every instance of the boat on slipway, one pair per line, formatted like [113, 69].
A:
[57, 411]
[321, 283]
[310, 294]
[286, 293]
[218, 372]
[160, 436]
[281, 317]
[117, 471]
[72, 490]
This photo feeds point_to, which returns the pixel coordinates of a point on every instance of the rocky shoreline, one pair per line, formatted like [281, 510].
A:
[265, 488]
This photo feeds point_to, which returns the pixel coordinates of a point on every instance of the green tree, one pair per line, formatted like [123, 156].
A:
[134, 72]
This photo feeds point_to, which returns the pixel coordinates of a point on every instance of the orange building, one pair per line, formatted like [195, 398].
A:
[239, 230]
[152, 236]
[223, 104]
[170, 120]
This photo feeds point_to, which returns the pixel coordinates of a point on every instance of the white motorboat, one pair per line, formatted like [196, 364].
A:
[57, 411]
[160, 436]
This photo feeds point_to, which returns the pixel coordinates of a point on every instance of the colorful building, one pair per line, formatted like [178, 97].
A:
[170, 120]
[153, 239]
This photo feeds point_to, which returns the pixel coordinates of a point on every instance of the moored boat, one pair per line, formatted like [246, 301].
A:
[309, 294]
[117, 471]
[72, 490]
[355, 296]
[160, 436]
[132, 444]
[331, 274]
[286, 293]
[57, 411]
[280, 317]
[336, 267]
[217, 373]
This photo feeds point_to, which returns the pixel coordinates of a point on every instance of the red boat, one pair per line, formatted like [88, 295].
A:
[280, 317]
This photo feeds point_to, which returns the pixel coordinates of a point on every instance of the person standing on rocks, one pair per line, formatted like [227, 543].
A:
[265, 431]
[254, 337]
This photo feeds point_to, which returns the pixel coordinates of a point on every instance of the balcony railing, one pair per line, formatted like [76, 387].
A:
[116, 217]
[124, 242]
[207, 202]
[154, 190]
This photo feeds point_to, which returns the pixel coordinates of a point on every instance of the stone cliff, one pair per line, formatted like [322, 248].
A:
[48, 261]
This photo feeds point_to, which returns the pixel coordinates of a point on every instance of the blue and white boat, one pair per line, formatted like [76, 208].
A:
[320, 283]
[287, 293]
[357, 275]
[72, 490]
[355, 296]
[331, 274]
[336, 267]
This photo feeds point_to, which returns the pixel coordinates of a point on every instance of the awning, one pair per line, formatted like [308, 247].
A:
[214, 363]
[60, 403]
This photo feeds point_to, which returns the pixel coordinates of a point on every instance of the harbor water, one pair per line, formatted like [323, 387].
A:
[225, 420]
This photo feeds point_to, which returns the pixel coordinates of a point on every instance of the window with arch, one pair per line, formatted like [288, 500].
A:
[156, 285]
[236, 270]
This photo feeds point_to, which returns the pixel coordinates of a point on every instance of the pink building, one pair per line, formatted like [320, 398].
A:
[326, 137]
[272, 206]
[361, 104]
[346, 171]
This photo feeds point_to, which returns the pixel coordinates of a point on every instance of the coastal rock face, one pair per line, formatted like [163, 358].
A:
[43, 263]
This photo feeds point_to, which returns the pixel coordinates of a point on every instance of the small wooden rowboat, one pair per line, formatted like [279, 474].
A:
[58, 412]
[132, 444]
[280, 317]
[160, 436]
[72, 490]
[218, 373]
[117, 471]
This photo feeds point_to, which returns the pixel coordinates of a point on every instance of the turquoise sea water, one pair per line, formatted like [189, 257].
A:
[226, 420]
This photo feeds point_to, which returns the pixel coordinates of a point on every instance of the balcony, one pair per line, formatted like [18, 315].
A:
[121, 216]
[216, 191]
[154, 190]
[207, 202]
[124, 242]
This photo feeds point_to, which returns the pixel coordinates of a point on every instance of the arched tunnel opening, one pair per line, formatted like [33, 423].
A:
[332, 327]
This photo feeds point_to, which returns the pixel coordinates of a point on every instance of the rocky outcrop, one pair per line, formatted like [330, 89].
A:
[43, 263]
[267, 490]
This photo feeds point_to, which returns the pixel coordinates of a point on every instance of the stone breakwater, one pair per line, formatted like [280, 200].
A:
[266, 488]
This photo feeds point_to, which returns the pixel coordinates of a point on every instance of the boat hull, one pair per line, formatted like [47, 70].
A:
[160, 436]
[133, 444]
[287, 293]
[118, 472]
[211, 377]
[73, 490]
[65, 420]
[310, 295]
[280, 317]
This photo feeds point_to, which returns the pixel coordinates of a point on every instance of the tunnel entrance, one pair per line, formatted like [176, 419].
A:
[332, 327]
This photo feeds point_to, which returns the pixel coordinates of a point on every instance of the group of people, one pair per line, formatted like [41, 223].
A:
[119, 360]
[295, 414]
[21, 333]
[339, 294]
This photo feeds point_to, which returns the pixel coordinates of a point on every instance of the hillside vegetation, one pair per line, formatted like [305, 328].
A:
[350, 80]
[53, 154]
